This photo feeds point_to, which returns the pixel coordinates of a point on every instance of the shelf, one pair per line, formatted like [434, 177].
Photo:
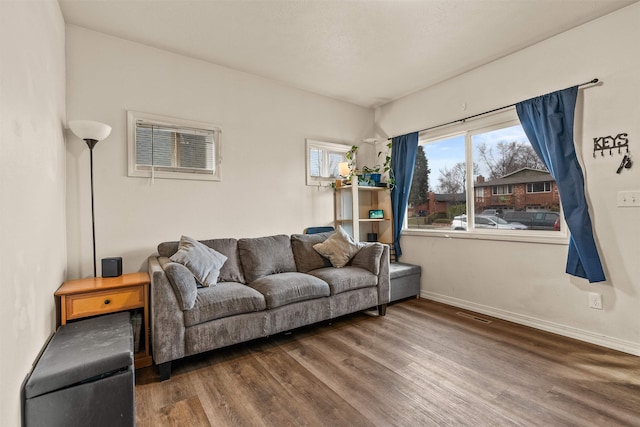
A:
[361, 188]
[353, 202]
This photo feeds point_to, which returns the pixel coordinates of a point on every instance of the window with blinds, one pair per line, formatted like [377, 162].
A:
[164, 147]
[323, 159]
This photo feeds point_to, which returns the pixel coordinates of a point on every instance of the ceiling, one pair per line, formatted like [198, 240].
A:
[364, 52]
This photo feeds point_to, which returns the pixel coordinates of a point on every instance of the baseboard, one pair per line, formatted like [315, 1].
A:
[567, 331]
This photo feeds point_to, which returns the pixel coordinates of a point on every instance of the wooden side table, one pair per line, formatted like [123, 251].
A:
[101, 295]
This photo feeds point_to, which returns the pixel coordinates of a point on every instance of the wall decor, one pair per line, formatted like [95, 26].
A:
[611, 143]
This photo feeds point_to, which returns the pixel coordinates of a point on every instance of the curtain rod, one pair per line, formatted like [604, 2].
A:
[482, 114]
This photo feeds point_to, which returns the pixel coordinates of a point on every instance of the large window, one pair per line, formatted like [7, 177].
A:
[164, 147]
[323, 159]
[488, 168]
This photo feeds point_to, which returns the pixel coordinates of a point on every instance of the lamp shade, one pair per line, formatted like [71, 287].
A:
[88, 129]
[343, 168]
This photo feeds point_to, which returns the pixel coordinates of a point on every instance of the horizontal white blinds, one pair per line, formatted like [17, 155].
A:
[174, 149]
[324, 163]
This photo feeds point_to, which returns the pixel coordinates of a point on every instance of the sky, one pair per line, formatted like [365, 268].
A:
[445, 153]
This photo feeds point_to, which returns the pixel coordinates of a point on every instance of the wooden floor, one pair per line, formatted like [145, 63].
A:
[423, 364]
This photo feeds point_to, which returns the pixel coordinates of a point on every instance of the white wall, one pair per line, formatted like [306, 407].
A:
[263, 148]
[527, 282]
[32, 186]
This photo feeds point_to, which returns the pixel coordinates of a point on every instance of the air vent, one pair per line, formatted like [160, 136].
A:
[473, 317]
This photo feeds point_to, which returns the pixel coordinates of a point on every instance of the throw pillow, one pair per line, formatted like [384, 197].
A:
[339, 248]
[203, 262]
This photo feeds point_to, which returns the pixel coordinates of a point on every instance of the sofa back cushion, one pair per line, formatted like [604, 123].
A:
[262, 256]
[305, 256]
[231, 270]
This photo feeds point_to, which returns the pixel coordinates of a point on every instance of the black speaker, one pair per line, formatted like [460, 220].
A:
[112, 267]
[372, 237]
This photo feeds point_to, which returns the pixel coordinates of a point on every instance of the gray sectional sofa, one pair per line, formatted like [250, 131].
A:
[265, 286]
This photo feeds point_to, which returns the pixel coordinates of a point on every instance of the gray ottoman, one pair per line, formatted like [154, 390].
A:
[405, 280]
[85, 376]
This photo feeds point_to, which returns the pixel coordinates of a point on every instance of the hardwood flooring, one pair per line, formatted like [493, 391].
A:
[423, 364]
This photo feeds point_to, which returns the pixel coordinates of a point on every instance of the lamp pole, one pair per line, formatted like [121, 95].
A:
[92, 143]
[91, 132]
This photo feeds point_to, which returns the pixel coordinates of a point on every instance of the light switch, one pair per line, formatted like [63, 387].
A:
[628, 198]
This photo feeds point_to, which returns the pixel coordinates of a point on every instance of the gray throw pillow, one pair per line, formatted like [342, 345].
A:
[339, 248]
[202, 261]
[231, 271]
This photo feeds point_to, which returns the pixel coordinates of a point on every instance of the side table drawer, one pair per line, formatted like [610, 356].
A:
[93, 303]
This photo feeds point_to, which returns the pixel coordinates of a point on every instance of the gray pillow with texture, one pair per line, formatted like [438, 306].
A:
[368, 257]
[183, 282]
[306, 257]
[262, 256]
[201, 260]
[231, 271]
[339, 248]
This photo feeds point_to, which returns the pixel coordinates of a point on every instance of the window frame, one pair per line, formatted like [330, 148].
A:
[468, 129]
[164, 172]
[544, 184]
[326, 147]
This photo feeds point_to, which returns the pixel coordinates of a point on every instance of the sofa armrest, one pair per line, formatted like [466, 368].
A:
[167, 320]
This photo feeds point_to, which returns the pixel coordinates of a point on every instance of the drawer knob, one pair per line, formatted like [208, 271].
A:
[107, 301]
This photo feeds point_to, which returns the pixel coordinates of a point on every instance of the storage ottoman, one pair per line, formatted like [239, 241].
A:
[405, 280]
[85, 376]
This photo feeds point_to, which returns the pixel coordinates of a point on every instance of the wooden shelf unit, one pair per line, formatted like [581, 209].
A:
[351, 210]
[102, 295]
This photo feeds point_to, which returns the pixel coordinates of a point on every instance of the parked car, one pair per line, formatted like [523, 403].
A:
[486, 221]
[537, 220]
[493, 212]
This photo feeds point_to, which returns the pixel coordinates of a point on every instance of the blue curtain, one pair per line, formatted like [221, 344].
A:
[403, 159]
[548, 122]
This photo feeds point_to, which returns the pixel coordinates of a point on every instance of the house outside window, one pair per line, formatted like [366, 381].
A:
[489, 168]
[539, 187]
[502, 189]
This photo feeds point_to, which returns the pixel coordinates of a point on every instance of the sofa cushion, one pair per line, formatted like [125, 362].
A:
[339, 248]
[305, 256]
[346, 279]
[231, 271]
[262, 256]
[183, 282]
[223, 300]
[287, 288]
[368, 257]
[201, 260]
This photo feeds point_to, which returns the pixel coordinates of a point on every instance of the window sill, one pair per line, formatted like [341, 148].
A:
[540, 237]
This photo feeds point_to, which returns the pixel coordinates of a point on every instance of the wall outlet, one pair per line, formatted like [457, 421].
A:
[595, 300]
[628, 198]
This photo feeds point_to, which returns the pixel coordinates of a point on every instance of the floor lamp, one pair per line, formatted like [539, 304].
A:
[91, 132]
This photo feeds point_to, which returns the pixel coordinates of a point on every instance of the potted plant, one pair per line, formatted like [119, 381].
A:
[386, 166]
[370, 176]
